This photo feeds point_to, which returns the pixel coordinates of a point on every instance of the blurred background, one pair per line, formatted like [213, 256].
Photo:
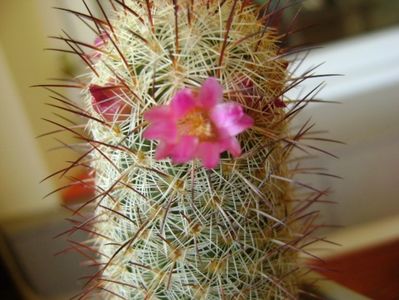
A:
[358, 38]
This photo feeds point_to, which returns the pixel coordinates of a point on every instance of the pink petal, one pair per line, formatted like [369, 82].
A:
[163, 150]
[101, 40]
[225, 113]
[185, 149]
[233, 146]
[243, 124]
[165, 131]
[157, 114]
[107, 102]
[182, 103]
[230, 118]
[209, 153]
[211, 93]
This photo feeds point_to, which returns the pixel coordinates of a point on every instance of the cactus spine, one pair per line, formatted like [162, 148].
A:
[180, 231]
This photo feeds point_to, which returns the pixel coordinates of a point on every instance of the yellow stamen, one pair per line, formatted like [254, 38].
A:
[197, 123]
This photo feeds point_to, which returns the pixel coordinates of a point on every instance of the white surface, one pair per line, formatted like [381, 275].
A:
[366, 63]
[367, 120]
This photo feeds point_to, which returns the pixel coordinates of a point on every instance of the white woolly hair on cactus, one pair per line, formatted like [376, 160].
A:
[189, 147]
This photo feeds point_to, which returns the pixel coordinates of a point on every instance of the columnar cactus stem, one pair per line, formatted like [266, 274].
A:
[171, 226]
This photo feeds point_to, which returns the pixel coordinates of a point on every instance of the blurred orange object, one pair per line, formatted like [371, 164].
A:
[81, 190]
[372, 271]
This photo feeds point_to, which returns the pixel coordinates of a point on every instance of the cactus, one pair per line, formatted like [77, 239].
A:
[170, 228]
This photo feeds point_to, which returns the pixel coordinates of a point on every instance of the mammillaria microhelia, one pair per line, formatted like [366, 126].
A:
[189, 145]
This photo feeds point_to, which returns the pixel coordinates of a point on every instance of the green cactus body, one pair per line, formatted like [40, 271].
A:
[181, 231]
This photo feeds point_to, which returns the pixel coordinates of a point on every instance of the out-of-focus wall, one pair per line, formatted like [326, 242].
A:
[24, 29]
[21, 162]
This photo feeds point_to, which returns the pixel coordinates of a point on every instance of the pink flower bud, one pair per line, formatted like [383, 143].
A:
[110, 102]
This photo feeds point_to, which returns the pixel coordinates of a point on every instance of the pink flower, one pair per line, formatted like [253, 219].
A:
[107, 101]
[197, 125]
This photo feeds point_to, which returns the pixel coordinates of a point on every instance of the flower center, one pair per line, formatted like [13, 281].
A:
[196, 123]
